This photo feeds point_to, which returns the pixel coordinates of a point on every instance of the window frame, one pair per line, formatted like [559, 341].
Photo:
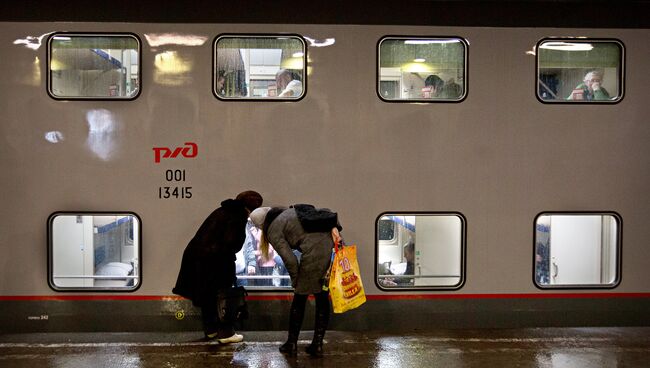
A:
[259, 35]
[619, 251]
[421, 100]
[620, 75]
[91, 35]
[463, 252]
[50, 253]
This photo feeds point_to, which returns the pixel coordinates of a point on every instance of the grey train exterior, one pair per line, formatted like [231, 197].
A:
[499, 158]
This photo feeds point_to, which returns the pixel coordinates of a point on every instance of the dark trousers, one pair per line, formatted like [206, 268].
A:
[298, 312]
[212, 324]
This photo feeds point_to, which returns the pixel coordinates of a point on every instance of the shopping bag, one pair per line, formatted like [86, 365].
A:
[346, 288]
[231, 304]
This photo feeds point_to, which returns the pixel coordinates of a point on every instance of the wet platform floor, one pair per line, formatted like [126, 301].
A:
[543, 347]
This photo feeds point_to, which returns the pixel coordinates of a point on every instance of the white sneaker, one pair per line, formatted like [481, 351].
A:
[231, 339]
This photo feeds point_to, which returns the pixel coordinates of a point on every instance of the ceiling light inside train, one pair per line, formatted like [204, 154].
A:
[320, 43]
[428, 42]
[418, 67]
[160, 39]
[566, 46]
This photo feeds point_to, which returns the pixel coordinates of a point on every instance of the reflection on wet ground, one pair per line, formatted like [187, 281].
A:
[544, 347]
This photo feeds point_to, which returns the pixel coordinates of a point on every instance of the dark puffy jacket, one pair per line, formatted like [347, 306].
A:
[209, 259]
[286, 233]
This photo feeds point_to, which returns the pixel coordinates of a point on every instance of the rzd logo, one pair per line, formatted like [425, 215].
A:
[190, 150]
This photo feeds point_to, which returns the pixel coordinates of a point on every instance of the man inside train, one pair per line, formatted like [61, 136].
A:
[591, 88]
[288, 83]
[409, 256]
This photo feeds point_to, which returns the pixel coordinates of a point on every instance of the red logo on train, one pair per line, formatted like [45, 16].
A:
[189, 150]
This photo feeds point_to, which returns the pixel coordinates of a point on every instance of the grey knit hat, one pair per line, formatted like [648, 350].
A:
[258, 216]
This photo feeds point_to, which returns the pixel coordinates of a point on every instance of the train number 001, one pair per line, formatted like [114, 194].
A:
[175, 175]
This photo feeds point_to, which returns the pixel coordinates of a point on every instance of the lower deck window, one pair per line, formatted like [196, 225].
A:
[254, 271]
[94, 251]
[577, 250]
[425, 252]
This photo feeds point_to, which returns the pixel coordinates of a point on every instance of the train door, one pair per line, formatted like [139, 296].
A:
[437, 258]
[73, 251]
[575, 250]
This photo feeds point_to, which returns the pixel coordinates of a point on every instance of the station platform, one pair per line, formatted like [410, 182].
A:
[539, 347]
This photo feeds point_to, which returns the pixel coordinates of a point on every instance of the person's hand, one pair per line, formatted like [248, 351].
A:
[336, 236]
[388, 282]
[251, 270]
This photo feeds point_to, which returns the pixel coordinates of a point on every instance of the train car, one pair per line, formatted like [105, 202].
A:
[489, 160]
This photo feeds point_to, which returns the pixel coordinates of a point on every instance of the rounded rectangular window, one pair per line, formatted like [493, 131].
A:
[580, 71]
[258, 67]
[94, 251]
[422, 69]
[577, 250]
[94, 66]
[425, 251]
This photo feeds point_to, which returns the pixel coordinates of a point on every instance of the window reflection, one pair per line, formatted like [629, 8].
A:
[579, 70]
[99, 251]
[576, 249]
[422, 69]
[94, 66]
[260, 67]
[421, 250]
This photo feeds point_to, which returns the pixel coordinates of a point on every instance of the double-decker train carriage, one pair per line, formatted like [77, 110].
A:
[492, 172]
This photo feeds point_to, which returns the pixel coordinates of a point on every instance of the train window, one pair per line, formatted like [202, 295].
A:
[256, 273]
[431, 69]
[254, 67]
[579, 70]
[94, 251]
[577, 250]
[426, 251]
[97, 66]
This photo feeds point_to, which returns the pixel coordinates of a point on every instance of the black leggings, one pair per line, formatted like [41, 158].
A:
[322, 308]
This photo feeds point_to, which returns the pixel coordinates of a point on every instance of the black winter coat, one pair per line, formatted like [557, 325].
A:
[209, 259]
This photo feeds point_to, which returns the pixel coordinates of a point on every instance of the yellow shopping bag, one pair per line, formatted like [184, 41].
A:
[346, 288]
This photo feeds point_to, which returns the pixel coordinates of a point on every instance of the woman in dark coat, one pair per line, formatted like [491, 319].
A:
[312, 232]
[208, 263]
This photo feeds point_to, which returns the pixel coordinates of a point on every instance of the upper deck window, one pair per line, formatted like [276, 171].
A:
[97, 66]
[422, 69]
[577, 250]
[424, 251]
[580, 71]
[260, 67]
[98, 251]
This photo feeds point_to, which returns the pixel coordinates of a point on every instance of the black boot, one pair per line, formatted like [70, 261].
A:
[290, 347]
[295, 322]
[315, 349]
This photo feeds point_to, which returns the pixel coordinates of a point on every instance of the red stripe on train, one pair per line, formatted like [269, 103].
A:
[369, 297]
